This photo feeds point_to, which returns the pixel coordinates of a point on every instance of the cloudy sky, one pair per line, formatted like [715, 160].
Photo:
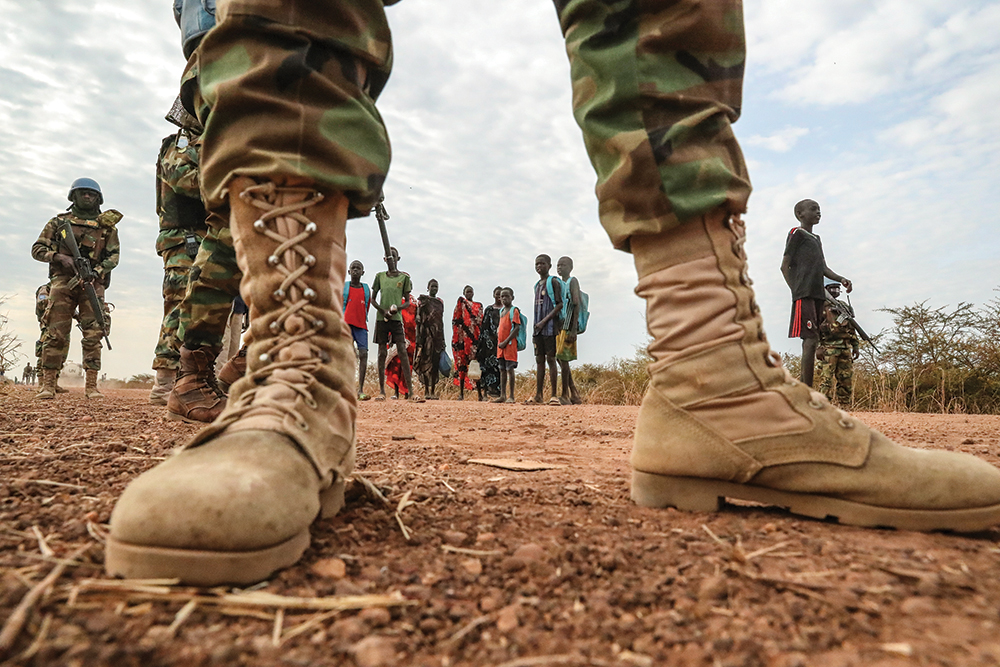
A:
[884, 111]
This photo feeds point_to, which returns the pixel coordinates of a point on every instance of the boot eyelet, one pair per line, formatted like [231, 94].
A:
[275, 327]
[309, 260]
[318, 325]
[309, 293]
[265, 358]
[278, 294]
[311, 227]
[259, 225]
[815, 405]
[303, 426]
[311, 402]
[846, 423]
[273, 260]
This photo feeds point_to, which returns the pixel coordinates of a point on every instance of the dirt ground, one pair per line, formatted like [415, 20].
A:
[470, 564]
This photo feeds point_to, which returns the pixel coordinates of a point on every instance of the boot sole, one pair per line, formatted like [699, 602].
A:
[707, 495]
[173, 416]
[201, 568]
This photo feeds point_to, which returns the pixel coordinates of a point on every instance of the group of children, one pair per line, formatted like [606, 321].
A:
[409, 334]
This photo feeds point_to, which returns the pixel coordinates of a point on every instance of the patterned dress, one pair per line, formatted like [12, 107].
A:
[486, 351]
[465, 323]
[393, 368]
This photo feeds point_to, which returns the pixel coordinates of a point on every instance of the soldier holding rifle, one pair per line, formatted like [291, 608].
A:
[81, 248]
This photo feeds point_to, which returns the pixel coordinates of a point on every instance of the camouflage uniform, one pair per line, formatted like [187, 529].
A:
[655, 105]
[41, 305]
[838, 344]
[182, 228]
[98, 242]
[214, 282]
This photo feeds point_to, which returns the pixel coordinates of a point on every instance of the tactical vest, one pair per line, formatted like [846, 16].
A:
[178, 197]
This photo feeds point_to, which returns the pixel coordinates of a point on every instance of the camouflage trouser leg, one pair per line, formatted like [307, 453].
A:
[835, 371]
[212, 285]
[656, 85]
[58, 321]
[176, 270]
[310, 70]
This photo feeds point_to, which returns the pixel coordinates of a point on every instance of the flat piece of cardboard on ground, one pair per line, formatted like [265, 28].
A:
[511, 464]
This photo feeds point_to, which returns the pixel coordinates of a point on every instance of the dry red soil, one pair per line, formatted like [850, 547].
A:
[481, 565]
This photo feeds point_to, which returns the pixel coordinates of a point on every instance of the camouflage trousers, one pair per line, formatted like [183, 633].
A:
[835, 372]
[65, 296]
[656, 86]
[213, 283]
[176, 272]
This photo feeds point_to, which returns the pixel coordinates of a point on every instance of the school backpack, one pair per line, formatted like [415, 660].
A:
[522, 330]
[583, 316]
[347, 292]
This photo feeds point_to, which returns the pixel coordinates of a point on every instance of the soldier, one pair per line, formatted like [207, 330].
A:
[28, 376]
[656, 86]
[97, 238]
[182, 228]
[838, 348]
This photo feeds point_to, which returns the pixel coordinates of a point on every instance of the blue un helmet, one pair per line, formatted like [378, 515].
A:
[86, 184]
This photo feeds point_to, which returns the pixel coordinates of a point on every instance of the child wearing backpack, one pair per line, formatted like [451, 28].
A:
[511, 338]
[574, 321]
[548, 303]
[357, 298]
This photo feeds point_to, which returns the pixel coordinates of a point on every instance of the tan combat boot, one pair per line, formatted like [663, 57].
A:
[90, 389]
[723, 419]
[47, 390]
[234, 369]
[237, 502]
[162, 386]
[195, 398]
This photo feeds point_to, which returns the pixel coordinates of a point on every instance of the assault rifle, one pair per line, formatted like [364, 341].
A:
[86, 276]
[382, 216]
[844, 315]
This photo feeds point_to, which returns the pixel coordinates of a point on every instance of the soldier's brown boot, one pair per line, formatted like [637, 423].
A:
[90, 388]
[162, 386]
[233, 370]
[195, 398]
[723, 419]
[237, 502]
[47, 390]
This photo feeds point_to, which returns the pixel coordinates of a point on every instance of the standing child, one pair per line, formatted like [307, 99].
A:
[430, 339]
[566, 338]
[465, 332]
[389, 289]
[548, 307]
[486, 351]
[357, 299]
[804, 266]
[510, 322]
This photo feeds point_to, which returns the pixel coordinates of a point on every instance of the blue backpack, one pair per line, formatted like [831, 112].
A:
[583, 316]
[522, 330]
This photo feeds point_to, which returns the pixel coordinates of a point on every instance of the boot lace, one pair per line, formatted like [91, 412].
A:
[295, 296]
[817, 400]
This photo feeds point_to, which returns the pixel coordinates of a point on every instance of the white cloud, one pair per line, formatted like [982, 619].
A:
[781, 141]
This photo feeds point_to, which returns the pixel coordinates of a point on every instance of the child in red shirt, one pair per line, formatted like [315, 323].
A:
[357, 298]
[510, 322]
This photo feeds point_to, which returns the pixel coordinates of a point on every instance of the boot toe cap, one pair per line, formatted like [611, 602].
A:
[239, 492]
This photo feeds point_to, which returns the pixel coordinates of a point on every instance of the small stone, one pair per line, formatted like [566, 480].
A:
[485, 537]
[329, 567]
[376, 617]
[489, 603]
[530, 553]
[349, 630]
[713, 588]
[968, 441]
[374, 652]
[86, 418]
[512, 564]
[473, 566]
[454, 537]
[347, 587]
[508, 618]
